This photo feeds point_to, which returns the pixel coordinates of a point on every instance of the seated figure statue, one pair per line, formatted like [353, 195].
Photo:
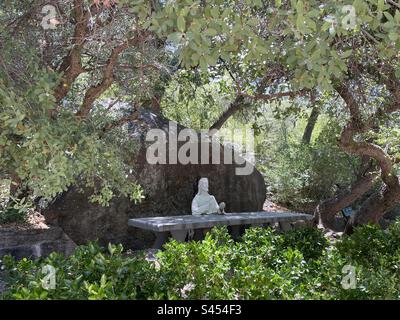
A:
[204, 203]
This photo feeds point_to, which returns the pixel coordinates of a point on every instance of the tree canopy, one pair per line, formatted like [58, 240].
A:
[59, 61]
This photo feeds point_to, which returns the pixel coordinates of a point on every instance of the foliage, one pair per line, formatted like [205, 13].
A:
[12, 215]
[295, 44]
[301, 175]
[195, 99]
[374, 253]
[12, 209]
[51, 153]
[90, 273]
[304, 34]
[263, 265]
[44, 147]
[309, 241]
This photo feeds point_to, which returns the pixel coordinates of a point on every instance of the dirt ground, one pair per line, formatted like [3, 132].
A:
[270, 206]
[34, 221]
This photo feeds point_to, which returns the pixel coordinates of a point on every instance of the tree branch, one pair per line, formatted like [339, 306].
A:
[108, 75]
[120, 122]
[243, 100]
[312, 120]
[72, 64]
[234, 107]
[357, 126]
[325, 213]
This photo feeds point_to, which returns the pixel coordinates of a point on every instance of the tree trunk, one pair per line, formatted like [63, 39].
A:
[312, 120]
[234, 107]
[374, 208]
[325, 213]
[379, 203]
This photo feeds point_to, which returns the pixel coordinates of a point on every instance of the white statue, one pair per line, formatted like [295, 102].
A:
[203, 203]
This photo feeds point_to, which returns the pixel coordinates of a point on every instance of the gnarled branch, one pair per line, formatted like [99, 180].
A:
[243, 100]
[72, 64]
[108, 74]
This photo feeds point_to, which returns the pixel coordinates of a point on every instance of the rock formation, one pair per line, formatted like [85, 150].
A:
[169, 190]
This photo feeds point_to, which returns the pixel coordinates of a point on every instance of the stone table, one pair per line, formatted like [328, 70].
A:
[178, 226]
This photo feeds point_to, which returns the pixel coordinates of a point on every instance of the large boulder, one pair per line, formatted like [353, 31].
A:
[168, 189]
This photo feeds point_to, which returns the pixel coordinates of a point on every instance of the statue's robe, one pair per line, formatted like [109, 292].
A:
[204, 204]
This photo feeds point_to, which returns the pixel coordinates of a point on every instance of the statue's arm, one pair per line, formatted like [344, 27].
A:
[214, 205]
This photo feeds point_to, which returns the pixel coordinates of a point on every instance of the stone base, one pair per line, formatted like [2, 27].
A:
[33, 243]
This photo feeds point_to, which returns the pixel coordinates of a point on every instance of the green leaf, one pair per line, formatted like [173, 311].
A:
[211, 32]
[300, 7]
[381, 5]
[258, 3]
[393, 36]
[175, 37]
[215, 12]
[181, 23]
[347, 54]
[203, 64]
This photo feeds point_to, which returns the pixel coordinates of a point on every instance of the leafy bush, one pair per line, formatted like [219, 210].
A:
[198, 270]
[309, 241]
[90, 273]
[375, 255]
[12, 215]
[366, 246]
[48, 154]
[263, 265]
[301, 175]
[15, 210]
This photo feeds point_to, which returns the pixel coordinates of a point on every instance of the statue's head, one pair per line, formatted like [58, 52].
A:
[203, 185]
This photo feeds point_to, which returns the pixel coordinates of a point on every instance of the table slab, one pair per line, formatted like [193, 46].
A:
[186, 222]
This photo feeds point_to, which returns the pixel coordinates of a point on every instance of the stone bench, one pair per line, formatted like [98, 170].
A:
[178, 226]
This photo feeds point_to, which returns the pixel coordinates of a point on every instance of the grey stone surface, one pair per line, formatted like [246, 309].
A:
[186, 222]
[178, 227]
[35, 242]
[168, 189]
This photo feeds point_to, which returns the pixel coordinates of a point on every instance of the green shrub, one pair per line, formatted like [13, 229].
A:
[311, 242]
[367, 245]
[302, 175]
[12, 215]
[371, 246]
[90, 273]
[264, 265]
[15, 210]
[198, 270]
[375, 255]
